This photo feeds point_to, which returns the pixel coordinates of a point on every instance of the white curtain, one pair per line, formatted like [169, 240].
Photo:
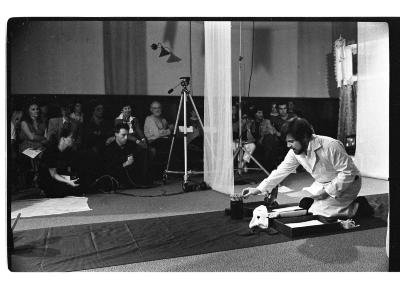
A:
[218, 156]
[372, 150]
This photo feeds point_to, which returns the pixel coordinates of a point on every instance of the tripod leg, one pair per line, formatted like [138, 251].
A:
[174, 134]
[201, 123]
[255, 161]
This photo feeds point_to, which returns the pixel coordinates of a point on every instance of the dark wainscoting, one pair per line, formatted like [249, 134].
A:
[322, 113]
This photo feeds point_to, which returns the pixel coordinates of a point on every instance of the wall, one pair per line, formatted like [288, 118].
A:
[57, 57]
[66, 57]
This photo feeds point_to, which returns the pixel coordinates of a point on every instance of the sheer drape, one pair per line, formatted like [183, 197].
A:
[372, 152]
[125, 69]
[218, 156]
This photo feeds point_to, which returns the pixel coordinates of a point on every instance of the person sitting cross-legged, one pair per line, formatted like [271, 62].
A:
[56, 177]
[124, 161]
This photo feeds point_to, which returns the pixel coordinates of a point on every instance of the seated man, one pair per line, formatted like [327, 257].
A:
[247, 137]
[266, 139]
[337, 179]
[124, 161]
[56, 177]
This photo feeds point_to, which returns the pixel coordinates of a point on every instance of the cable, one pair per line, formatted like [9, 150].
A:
[252, 60]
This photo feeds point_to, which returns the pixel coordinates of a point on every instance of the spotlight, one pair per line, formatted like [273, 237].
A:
[173, 58]
[164, 52]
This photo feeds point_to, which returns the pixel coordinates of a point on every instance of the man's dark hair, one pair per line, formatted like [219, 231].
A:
[282, 104]
[298, 128]
[119, 126]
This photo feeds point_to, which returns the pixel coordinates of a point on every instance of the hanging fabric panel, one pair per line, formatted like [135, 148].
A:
[218, 156]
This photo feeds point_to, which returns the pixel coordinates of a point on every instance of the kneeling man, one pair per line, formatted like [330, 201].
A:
[337, 180]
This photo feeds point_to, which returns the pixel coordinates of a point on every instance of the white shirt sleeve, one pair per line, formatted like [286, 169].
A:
[288, 165]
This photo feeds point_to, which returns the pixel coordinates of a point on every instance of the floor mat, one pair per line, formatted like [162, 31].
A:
[108, 244]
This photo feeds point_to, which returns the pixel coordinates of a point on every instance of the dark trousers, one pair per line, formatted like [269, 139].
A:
[55, 189]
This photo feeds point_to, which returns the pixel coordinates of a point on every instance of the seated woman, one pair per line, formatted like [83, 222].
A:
[33, 136]
[56, 176]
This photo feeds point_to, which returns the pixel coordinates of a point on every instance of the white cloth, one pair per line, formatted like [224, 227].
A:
[333, 170]
[49, 206]
[260, 217]
[218, 156]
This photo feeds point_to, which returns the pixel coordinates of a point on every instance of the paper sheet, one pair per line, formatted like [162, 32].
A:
[290, 208]
[49, 206]
[31, 152]
[304, 224]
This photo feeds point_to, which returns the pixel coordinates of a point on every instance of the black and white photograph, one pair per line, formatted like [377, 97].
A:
[188, 144]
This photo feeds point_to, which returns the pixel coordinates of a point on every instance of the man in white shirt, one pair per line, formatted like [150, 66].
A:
[337, 180]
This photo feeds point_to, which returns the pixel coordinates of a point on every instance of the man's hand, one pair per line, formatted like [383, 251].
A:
[110, 140]
[72, 182]
[128, 162]
[142, 143]
[250, 191]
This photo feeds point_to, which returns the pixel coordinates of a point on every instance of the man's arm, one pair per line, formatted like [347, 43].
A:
[288, 166]
[342, 163]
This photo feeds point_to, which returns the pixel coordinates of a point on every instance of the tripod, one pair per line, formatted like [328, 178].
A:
[185, 94]
[241, 150]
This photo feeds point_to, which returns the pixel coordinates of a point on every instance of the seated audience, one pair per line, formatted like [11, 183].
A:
[195, 141]
[266, 139]
[77, 113]
[248, 140]
[274, 112]
[159, 133]
[56, 174]
[278, 121]
[44, 114]
[33, 136]
[97, 130]
[15, 126]
[56, 124]
[292, 111]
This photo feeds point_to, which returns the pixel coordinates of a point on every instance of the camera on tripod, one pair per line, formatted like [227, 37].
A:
[185, 81]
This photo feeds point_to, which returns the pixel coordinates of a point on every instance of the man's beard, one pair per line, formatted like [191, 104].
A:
[303, 148]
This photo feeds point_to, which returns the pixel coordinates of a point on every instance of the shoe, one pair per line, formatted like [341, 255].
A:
[364, 210]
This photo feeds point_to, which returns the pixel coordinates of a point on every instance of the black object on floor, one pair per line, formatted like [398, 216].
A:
[108, 244]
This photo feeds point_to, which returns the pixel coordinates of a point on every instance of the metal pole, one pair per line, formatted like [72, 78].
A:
[185, 177]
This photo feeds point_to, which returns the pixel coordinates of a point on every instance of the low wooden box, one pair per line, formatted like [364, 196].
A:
[280, 224]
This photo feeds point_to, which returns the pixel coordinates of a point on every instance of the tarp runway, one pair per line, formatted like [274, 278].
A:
[81, 247]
